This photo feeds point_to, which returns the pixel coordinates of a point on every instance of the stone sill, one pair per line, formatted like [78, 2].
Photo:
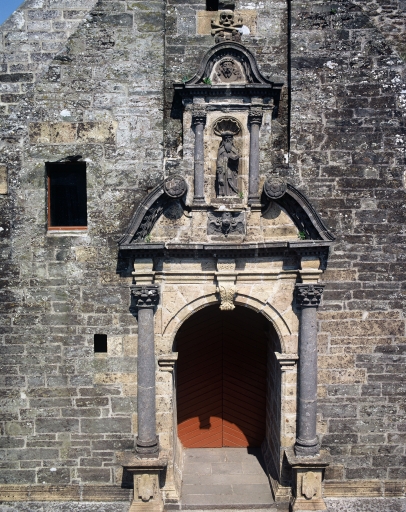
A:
[67, 232]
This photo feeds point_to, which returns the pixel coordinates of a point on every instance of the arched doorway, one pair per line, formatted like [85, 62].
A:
[222, 378]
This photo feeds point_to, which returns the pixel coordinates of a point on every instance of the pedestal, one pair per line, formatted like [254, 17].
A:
[146, 475]
[308, 473]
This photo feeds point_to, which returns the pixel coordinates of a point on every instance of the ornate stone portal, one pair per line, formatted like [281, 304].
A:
[205, 239]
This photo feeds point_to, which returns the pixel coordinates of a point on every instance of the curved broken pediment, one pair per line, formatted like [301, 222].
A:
[163, 218]
[302, 212]
[163, 199]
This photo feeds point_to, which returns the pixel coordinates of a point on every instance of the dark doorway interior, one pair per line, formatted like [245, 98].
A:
[221, 378]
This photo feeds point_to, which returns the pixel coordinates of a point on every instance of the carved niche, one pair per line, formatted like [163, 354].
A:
[228, 157]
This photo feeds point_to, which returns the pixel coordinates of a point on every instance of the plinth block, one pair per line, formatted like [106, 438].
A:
[146, 473]
[307, 480]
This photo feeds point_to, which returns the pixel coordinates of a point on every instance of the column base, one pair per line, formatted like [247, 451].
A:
[308, 475]
[146, 476]
[254, 199]
[199, 201]
[307, 448]
[147, 450]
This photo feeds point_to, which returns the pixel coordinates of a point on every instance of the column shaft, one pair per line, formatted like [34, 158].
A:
[255, 119]
[146, 297]
[307, 403]
[254, 163]
[199, 162]
[146, 379]
[308, 298]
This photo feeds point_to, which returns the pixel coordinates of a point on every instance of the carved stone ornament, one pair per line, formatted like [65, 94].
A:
[227, 293]
[226, 126]
[274, 187]
[229, 71]
[146, 296]
[226, 29]
[146, 486]
[175, 186]
[199, 115]
[308, 295]
[255, 115]
[226, 223]
[310, 485]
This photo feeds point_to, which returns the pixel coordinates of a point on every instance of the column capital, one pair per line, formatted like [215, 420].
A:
[146, 296]
[308, 295]
[255, 115]
[199, 115]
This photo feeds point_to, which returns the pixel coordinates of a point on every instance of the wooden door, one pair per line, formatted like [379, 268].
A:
[221, 379]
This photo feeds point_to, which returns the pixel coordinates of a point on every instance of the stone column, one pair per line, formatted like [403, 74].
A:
[308, 298]
[255, 120]
[199, 120]
[146, 297]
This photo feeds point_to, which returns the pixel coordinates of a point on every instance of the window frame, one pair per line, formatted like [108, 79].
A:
[52, 167]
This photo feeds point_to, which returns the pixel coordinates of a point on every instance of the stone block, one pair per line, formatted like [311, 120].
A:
[114, 346]
[106, 425]
[54, 475]
[44, 425]
[130, 345]
[99, 475]
[3, 179]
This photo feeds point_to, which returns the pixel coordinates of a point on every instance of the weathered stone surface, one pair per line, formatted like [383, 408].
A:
[93, 84]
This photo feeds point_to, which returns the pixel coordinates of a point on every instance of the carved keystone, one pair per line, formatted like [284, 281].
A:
[227, 293]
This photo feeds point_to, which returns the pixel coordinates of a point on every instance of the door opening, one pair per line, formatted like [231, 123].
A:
[222, 378]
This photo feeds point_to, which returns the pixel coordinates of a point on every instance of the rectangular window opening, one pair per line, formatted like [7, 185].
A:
[212, 5]
[100, 343]
[67, 197]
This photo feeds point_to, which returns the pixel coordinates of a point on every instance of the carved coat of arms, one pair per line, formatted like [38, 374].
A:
[226, 223]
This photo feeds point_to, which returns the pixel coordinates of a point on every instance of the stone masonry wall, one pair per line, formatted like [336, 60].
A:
[65, 412]
[348, 155]
[103, 95]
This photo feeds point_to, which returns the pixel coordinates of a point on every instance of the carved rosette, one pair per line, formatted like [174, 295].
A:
[175, 186]
[145, 296]
[199, 115]
[227, 293]
[308, 295]
[255, 115]
[274, 187]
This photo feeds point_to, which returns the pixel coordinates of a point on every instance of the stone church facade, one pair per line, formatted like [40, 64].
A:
[163, 159]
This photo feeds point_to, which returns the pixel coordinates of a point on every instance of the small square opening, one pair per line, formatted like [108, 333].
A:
[100, 343]
[212, 5]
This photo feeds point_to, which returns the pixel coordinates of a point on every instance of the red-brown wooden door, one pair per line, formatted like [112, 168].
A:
[221, 379]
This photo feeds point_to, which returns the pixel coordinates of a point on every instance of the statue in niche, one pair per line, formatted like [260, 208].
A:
[228, 158]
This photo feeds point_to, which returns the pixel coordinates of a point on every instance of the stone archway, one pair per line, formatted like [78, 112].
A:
[222, 378]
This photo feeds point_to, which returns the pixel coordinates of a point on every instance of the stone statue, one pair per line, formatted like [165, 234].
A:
[228, 158]
[227, 167]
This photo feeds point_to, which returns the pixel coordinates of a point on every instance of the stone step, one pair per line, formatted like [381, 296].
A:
[280, 507]
[226, 479]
